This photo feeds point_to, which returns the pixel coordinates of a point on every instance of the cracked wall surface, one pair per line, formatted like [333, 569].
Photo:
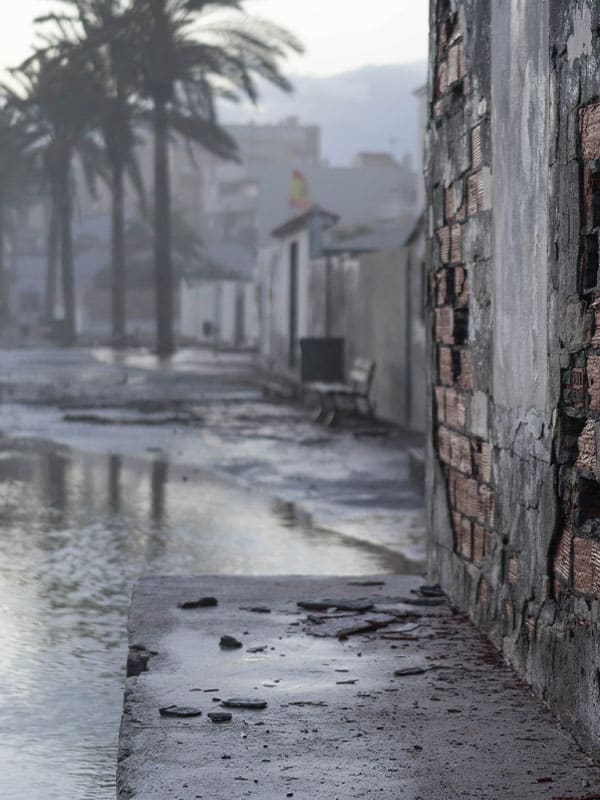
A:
[513, 174]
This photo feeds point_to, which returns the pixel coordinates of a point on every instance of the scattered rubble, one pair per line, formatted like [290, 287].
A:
[203, 602]
[183, 712]
[245, 703]
[229, 643]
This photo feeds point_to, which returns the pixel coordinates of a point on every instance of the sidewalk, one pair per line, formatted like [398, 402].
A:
[339, 722]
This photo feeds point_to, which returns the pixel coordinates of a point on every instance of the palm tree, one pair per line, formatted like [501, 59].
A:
[183, 61]
[57, 95]
[108, 41]
[18, 173]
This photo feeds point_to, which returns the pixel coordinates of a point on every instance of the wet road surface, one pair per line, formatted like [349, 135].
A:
[86, 508]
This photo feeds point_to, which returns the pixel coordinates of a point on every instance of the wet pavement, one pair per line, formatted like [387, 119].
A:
[402, 700]
[111, 468]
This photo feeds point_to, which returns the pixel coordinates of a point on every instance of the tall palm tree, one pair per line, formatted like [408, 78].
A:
[108, 38]
[57, 95]
[18, 173]
[188, 57]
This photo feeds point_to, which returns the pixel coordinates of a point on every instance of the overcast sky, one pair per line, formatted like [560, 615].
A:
[339, 34]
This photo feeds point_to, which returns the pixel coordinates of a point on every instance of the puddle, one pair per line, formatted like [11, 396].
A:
[76, 530]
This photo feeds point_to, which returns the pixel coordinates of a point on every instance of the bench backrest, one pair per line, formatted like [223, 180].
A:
[361, 375]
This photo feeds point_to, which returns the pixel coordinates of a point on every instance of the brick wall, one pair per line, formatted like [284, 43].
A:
[466, 459]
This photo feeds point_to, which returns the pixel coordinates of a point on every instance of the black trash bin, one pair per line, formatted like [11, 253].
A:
[322, 359]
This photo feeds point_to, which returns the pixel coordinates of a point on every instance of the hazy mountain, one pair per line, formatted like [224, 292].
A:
[371, 108]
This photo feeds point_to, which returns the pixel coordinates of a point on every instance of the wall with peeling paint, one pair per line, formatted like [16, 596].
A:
[514, 251]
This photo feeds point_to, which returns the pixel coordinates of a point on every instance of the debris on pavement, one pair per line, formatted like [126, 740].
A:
[229, 643]
[203, 602]
[219, 716]
[339, 605]
[245, 703]
[183, 712]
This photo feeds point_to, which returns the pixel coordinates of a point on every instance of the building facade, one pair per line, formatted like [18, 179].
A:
[513, 190]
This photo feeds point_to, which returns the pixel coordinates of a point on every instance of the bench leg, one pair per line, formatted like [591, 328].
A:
[332, 416]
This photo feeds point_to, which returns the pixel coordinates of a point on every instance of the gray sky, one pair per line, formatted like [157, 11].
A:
[339, 34]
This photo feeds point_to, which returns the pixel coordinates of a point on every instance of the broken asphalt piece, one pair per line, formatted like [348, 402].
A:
[183, 712]
[366, 583]
[343, 627]
[246, 703]
[407, 671]
[229, 643]
[219, 716]
[423, 601]
[431, 591]
[339, 605]
[256, 609]
[301, 703]
[137, 660]
[203, 602]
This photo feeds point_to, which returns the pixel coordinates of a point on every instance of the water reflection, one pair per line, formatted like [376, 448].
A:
[75, 532]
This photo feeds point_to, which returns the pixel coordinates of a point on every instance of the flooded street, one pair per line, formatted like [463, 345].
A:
[237, 487]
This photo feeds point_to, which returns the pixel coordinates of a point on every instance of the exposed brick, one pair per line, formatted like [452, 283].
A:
[487, 504]
[439, 108]
[442, 78]
[589, 119]
[483, 461]
[446, 366]
[461, 286]
[466, 370]
[443, 235]
[509, 613]
[513, 570]
[479, 541]
[456, 250]
[562, 557]
[593, 378]
[456, 413]
[475, 193]
[442, 294]
[582, 565]
[440, 404]
[443, 444]
[476, 148]
[466, 539]
[577, 387]
[460, 454]
[467, 497]
[453, 64]
[586, 446]
[596, 568]
[444, 325]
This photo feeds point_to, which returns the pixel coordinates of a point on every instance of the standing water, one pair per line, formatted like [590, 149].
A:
[76, 530]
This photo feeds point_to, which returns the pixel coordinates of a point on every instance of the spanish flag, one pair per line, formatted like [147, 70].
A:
[300, 196]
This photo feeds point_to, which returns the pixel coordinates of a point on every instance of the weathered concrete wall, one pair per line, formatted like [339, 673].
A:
[514, 203]
[376, 307]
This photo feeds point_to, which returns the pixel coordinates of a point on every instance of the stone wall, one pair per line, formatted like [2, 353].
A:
[514, 203]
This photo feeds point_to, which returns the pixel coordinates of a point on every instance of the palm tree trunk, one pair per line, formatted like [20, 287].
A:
[3, 280]
[118, 283]
[52, 258]
[163, 267]
[66, 241]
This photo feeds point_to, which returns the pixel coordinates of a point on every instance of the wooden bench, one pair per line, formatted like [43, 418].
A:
[349, 397]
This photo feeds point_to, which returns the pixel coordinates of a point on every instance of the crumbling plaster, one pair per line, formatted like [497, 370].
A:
[530, 70]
